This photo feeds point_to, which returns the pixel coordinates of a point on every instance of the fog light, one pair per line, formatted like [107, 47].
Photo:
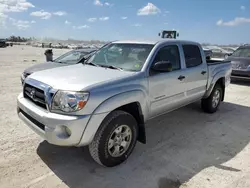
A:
[68, 130]
[63, 132]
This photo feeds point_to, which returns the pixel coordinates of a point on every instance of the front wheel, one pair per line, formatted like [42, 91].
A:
[115, 139]
[212, 103]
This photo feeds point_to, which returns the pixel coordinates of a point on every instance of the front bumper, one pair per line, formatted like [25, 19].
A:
[57, 129]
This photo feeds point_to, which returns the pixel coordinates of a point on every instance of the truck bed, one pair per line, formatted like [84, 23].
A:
[215, 62]
[217, 67]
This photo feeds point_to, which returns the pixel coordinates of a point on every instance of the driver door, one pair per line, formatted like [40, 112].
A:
[166, 89]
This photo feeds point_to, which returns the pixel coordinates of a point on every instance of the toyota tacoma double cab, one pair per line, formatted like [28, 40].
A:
[105, 102]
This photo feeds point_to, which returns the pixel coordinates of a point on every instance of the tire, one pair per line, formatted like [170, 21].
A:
[99, 147]
[208, 104]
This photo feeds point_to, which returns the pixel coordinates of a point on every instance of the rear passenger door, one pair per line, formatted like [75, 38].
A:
[196, 73]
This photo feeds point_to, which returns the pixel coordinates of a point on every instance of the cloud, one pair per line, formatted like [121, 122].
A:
[137, 25]
[124, 18]
[21, 24]
[42, 14]
[15, 5]
[149, 9]
[98, 3]
[67, 22]
[8, 6]
[236, 21]
[81, 27]
[60, 13]
[243, 7]
[104, 18]
[166, 12]
[108, 4]
[3, 18]
[91, 19]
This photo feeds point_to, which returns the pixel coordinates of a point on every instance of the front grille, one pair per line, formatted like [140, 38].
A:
[239, 66]
[37, 123]
[35, 95]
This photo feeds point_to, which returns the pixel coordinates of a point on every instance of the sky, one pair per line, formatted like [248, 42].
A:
[211, 21]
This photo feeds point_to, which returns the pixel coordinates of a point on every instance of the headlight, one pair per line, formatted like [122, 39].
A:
[22, 76]
[25, 75]
[69, 101]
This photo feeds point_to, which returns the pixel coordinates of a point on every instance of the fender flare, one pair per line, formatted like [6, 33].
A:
[215, 79]
[124, 98]
[110, 104]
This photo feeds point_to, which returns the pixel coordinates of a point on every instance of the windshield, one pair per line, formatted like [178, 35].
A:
[130, 57]
[242, 52]
[71, 57]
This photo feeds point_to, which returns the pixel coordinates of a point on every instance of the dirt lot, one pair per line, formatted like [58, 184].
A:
[186, 148]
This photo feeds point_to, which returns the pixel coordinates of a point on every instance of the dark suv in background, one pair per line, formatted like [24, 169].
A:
[240, 60]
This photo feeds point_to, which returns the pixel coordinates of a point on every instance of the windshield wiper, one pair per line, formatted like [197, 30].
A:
[111, 67]
[90, 63]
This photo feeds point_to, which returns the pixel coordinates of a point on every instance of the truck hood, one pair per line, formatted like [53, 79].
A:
[77, 77]
[43, 66]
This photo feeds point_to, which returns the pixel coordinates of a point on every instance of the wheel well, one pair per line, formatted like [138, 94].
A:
[135, 110]
[221, 82]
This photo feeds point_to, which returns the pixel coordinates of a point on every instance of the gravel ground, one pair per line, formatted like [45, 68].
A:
[186, 148]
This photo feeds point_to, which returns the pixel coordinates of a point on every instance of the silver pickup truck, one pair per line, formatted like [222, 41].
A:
[106, 101]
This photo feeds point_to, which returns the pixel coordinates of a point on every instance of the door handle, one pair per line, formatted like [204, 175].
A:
[203, 72]
[181, 77]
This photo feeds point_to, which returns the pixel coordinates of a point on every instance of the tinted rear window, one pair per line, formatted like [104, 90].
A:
[192, 55]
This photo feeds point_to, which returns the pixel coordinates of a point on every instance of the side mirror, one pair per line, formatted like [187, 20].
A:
[162, 66]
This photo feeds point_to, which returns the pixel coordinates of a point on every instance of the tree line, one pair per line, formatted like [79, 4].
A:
[18, 39]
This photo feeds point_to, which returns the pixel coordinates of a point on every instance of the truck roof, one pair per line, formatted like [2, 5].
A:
[153, 42]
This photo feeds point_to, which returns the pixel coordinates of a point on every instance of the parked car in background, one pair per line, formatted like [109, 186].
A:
[3, 43]
[208, 52]
[240, 60]
[105, 103]
[229, 49]
[70, 58]
[220, 53]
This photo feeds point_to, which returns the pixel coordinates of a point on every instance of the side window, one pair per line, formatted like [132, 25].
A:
[169, 53]
[192, 55]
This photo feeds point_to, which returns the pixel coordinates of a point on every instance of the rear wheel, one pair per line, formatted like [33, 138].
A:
[212, 103]
[115, 140]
